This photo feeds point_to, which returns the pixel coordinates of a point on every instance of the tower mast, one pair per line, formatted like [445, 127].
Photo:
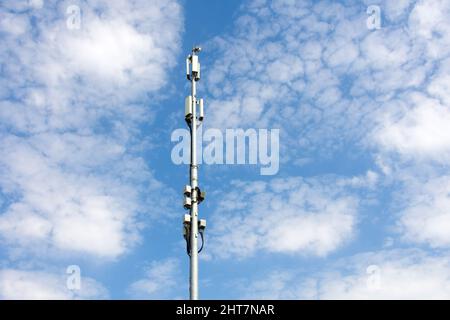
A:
[193, 227]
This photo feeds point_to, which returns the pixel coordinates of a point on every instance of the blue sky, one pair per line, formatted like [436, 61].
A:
[358, 209]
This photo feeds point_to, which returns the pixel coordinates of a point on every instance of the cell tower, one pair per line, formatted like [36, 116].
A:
[193, 196]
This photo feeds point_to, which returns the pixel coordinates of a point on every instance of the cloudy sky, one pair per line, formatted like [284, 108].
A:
[91, 91]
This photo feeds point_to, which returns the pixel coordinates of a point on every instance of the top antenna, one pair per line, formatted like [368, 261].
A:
[193, 65]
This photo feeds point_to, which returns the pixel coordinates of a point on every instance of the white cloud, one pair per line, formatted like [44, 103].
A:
[412, 138]
[13, 25]
[71, 106]
[396, 274]
[428, 21]
[394, 10]
[275, 285]
[62, 203]
[381, 93]
[292, 215]
[426, 214]
[423, 132]
[161, 278]
[404, 275]
[83, 75]
[342, 78]
[36, 285]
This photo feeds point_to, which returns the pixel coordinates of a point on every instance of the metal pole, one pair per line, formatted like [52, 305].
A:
[194, 207]
[193, 227]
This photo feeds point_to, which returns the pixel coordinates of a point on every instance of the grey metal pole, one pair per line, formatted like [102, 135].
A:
[194, 208]
[193, 227]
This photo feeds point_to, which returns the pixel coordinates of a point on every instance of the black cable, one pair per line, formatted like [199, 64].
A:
[203, 241]
[188, 247]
